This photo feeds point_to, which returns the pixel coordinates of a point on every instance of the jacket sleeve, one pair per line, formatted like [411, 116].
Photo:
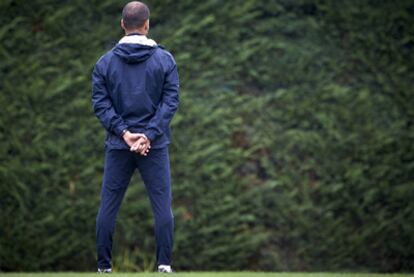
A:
[167, 107]
[103, 107]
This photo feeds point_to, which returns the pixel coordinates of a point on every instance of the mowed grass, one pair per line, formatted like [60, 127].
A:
[207, 274]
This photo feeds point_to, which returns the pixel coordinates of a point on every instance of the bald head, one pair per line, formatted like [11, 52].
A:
[134, 15]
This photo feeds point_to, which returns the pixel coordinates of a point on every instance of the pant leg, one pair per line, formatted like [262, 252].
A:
[155, 172]
[119, 167]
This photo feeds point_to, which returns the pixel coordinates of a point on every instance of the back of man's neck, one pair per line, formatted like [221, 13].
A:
[135, 32]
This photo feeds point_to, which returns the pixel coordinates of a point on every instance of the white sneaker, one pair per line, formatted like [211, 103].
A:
[165, 269]
[104, 270]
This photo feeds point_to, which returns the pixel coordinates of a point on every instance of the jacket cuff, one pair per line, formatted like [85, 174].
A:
[119, 130]
[150, 135]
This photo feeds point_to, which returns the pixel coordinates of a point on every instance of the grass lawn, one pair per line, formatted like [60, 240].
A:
[208, 274]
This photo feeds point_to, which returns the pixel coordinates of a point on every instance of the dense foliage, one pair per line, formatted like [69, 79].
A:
[293, 145]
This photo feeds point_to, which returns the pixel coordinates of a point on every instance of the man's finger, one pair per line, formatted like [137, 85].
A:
[139, 146]
[135, 146]
[145, 150]
[137, 135]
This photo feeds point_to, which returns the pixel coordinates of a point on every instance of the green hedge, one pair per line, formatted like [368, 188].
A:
[293, 145]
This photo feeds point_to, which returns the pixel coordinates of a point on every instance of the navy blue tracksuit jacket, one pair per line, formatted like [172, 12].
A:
[135, 87]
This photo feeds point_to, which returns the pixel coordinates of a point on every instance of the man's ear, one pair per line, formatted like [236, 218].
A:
[147, 25]
[122, 24]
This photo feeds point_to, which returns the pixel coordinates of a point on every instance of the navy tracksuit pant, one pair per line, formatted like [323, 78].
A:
[155, 172]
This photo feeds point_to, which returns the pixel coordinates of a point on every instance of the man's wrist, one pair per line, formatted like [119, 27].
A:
[144, 136]
[124, 132]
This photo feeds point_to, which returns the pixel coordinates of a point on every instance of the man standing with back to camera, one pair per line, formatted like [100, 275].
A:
[135, 95]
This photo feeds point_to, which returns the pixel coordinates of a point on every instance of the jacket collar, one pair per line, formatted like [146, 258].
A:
[138, 39]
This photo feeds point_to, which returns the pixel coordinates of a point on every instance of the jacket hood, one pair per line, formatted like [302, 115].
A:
[135, 49]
